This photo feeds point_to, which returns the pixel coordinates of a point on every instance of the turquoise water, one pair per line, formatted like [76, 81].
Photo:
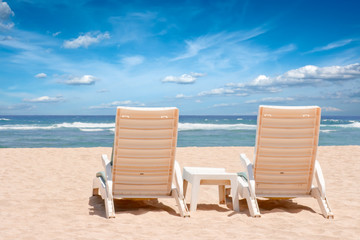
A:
[98, 131]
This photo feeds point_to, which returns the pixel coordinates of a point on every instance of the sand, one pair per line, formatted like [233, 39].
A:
[46, 193]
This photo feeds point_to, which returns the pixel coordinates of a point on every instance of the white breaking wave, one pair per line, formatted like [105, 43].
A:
[96, 127]
[202, 126]
[85, 125]
[80, 125]
[331, 120]
[4, 119]
[25, 127]
[327, 131]
[353, 124]
[92, 129]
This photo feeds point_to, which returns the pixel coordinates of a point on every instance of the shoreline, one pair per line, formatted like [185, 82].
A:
[46, 194]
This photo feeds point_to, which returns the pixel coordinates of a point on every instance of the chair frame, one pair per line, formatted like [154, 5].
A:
[104, 187]
[247, 187]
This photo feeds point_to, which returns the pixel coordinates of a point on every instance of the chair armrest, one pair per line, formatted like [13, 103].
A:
[108, 174]
[320, 178]
[105, 160]
[249, 171]
[178, 179]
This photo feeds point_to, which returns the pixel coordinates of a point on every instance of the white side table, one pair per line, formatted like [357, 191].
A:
[210, 176]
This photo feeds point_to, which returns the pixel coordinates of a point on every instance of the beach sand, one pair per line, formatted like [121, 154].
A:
[46, 193]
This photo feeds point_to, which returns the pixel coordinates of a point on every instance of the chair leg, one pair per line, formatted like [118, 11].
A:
[235, 196]
[184, 212]
[323, 203]
[99, 187]
[109, 208]
[251, 202]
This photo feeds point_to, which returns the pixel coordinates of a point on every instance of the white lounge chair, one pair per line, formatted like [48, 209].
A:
[143, 161]
[285, 164]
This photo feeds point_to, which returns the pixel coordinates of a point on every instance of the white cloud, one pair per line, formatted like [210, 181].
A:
[309, 75]
[133, 60]
[217, 91]
[118, 103]
[180, 96]
[41, 75]
[331, 109]
[183, 79]
[84, 80]
[305, 76]
[271, 100]
[5, 14]
[86, 40]
[45, 99]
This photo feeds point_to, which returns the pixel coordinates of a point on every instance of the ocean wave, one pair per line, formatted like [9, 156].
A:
[327, 131]
[202, 126]
[84, 125]
[353, 124]
[25, 127]
[330, 120]
[80, 125]
[92, 129]
[4, 119]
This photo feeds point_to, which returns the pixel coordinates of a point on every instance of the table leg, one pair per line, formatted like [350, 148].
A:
[222, 194]
[194, 194]
[185, 184]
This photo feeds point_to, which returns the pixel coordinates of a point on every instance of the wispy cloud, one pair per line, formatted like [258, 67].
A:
[271, 100]
[56, 34]
[332, 45]
[17, 107]
[193, 47]
[45, 99]
[183, 79]
[118, 103]
[5, 14]
[41, 75]
[331, 109]
[84, 80]
[133, 60]
[221, 105]
[102, 91]
[86, 40]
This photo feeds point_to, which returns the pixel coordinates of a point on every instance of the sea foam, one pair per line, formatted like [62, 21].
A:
[202, 126]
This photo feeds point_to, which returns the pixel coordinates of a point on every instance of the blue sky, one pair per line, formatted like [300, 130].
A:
[204, 57]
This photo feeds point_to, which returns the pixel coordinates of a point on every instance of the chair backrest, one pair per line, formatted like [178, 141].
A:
[144, 151]
[285, 151]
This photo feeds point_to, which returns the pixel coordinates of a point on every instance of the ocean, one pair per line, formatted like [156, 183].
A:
[199, 131]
